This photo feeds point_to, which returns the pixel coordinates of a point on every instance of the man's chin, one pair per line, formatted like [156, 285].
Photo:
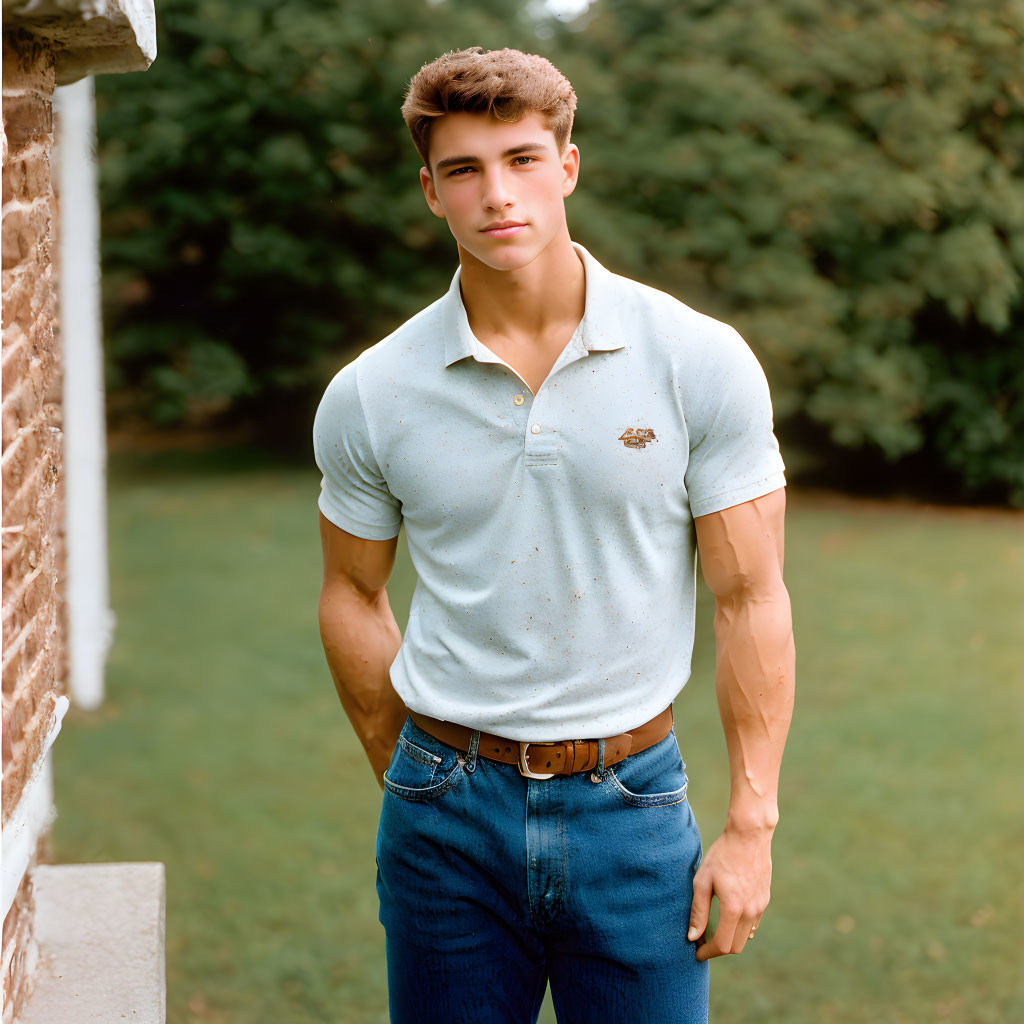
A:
[502, 257]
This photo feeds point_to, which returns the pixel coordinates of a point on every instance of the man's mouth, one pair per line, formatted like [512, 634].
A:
[503, 228]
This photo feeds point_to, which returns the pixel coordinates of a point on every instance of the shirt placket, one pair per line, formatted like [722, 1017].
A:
[542, 443]
[536, 415]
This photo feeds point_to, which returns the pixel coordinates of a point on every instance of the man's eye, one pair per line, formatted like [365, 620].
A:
[459, 170]
[528, 159]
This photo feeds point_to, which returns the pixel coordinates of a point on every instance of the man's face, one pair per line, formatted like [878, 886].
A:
[500, 185]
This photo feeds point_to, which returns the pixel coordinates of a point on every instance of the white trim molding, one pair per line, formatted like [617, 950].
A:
[33, 815]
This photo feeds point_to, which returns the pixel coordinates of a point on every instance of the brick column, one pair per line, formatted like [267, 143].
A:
[33, 652]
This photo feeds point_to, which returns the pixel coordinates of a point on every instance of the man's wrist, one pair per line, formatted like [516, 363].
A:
[752, 819]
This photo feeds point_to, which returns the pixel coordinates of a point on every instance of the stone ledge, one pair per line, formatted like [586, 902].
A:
[100, 935]
[91, 37]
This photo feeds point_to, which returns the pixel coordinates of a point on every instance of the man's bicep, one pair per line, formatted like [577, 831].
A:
[361, 563]
[741, 548]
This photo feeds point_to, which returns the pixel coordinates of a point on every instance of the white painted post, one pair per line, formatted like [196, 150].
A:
[87, 594]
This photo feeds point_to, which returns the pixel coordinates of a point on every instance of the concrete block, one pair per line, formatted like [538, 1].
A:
[100, 932]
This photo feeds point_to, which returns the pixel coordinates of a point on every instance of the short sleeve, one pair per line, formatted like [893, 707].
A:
[734, 454]
[353, 493]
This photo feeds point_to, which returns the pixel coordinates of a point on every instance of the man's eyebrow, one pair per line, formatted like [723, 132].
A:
[526, 147]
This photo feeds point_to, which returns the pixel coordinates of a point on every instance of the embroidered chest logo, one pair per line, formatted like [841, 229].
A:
[637, 437]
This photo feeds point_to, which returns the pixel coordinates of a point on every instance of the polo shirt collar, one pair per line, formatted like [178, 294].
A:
[600, 329]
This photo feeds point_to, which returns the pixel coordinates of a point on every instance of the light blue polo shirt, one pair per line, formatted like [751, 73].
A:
[552, 533]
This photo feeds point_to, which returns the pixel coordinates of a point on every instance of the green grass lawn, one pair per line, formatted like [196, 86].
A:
[222, 750]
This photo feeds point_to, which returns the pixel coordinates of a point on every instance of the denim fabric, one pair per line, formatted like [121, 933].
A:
[491, 885]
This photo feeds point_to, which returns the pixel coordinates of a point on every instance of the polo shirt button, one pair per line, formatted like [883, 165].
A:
[519, 399]
[535, 429]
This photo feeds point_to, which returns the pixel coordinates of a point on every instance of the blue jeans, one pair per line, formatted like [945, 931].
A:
[491, 885]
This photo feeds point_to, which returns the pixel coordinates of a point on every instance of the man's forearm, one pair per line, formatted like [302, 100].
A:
[361, 639]
[755, 684]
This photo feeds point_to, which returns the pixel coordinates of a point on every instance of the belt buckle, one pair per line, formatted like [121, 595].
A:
[524, 769]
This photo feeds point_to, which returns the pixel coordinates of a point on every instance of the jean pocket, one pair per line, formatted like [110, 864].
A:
[655, 777]
[422, 767]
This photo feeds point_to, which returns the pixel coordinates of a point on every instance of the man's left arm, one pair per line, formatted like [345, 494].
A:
[741, 554]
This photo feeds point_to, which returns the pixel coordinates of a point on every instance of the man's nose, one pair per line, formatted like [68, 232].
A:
[496, 194]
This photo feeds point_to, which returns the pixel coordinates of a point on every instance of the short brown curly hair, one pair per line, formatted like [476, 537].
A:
[507, 84]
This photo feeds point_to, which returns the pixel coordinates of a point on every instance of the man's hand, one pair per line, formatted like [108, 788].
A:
[738, 870]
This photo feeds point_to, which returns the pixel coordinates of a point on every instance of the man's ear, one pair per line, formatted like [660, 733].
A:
[430, 193]
[570, 169]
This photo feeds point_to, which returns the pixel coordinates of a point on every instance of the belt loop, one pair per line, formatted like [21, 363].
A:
[474, 743]
[600, 759]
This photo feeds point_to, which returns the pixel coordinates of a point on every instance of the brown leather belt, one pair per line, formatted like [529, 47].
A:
[543, 760]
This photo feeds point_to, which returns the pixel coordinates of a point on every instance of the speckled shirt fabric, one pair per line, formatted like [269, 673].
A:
[552, 533]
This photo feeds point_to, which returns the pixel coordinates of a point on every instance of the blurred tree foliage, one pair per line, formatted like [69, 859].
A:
[847, 181]
[843, 181]
[262, 213]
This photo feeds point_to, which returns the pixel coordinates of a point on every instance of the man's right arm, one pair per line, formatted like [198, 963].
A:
[361, 638]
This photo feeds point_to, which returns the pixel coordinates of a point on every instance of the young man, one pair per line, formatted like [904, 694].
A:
[560, 442]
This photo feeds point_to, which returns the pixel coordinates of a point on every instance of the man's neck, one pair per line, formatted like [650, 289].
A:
[532, 303]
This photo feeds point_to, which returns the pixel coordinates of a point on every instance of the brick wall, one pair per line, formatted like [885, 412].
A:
[34, 668]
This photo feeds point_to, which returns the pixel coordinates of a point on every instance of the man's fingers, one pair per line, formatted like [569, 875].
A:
[731, 935]
[742, 934]
[728, 922]
[707, 948]
[701, 906]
